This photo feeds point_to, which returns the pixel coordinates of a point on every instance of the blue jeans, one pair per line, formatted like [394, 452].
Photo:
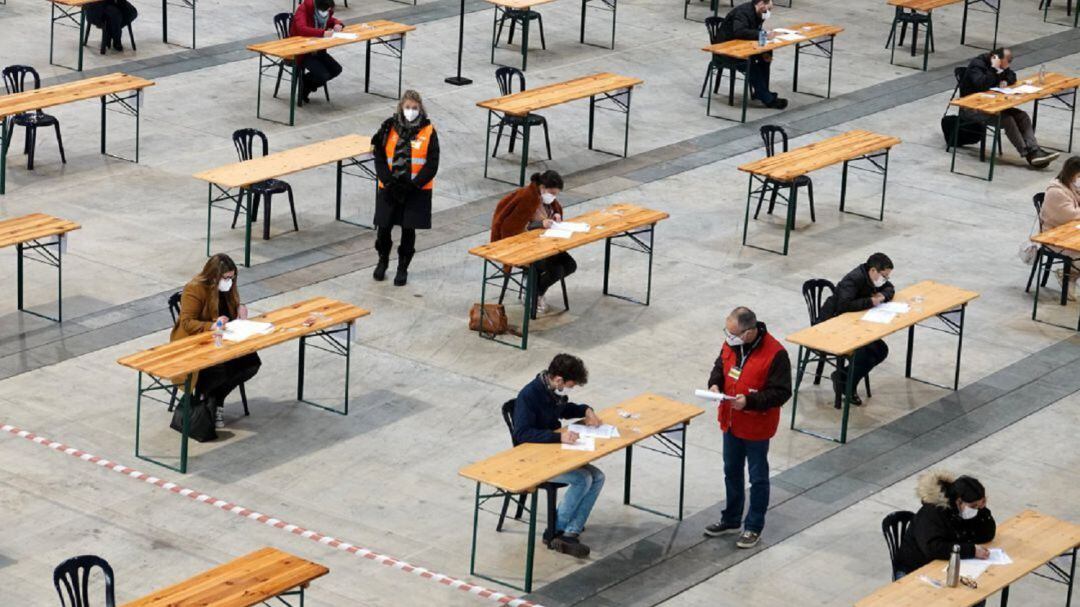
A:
[584, 485]
[753, 454]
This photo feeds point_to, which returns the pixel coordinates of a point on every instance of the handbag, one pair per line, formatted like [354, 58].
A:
[201, 426]
[495, 321]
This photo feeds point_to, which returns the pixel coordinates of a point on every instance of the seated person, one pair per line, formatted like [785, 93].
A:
[539, 407]
[744, 22]
[112, 16]
[315, 19]
[990, 70]
[863, 288]
[210, 298]
[531, 207]
[1060, 206]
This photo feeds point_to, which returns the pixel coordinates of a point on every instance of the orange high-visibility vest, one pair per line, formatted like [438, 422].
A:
[419, 146]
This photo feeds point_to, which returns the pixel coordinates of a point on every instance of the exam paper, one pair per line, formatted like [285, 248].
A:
[896, 307]
[570, 226]
[973, 568]
[791, 37]
[582, 444]
[999, 557]
[878, 315]
[553, 233]
[345, 36]
[601, 431]
[239, 330]
[710, 395]
[783, 30]
[1023, 89]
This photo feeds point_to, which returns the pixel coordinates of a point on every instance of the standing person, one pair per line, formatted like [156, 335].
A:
[861, 289]
[755, 370]
[529, 208]
[211, 298]
[745, 22]
[112, 16]
[315, 19]
[406, 150]
[537, 413]
[1061, 204]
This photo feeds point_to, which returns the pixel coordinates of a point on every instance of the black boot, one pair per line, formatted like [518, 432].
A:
[380, 268]
[402, 275]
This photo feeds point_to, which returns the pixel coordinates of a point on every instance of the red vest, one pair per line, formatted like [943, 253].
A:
[749, 425]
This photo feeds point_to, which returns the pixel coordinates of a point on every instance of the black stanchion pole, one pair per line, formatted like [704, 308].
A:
[460, 80]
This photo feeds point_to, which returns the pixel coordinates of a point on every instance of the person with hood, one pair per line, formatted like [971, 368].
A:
[315, 19]
[744, 22]
[406, 150]
[1061, 205]
[754, 371]
[112, 16]
[990, 70]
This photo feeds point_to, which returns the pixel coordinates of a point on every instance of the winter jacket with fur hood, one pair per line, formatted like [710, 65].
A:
[938, 526]
[1061, 205]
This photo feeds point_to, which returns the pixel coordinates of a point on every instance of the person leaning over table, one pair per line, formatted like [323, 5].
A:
[755, 369]
[744, 22]
[529, 208]
[1061, 205]
[209, 298]
[990, 70]
[315, 19]
[112, 16]
[406, 150]
[537, 413]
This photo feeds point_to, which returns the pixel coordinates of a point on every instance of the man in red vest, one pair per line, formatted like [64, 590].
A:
[755, 372]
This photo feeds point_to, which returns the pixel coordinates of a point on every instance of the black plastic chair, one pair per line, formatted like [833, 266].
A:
[958, 74]
[282, 24]
[244, 140]
[86, 38]
[550, 489]
[1044, 4]
[15, 82]
[174, 311]
[516, 16]
[718, 64]
[74, 575]
[506, 78]
[1049, 257]
[893, 527]
[769, 133]
[915, 19]
[815, 292]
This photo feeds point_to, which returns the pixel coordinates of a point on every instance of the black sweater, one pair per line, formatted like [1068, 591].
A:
[853, 294]
[538, 410]
[980, 76]
[936, 529]
[741, 23]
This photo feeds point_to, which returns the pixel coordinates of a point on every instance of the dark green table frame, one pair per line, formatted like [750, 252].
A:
[184, 4]
[610, 6]
[1038, 275]
[1075, 10]
[45, 252]
[67, 16]
[994, 7]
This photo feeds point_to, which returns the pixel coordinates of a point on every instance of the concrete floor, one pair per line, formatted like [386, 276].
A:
[421, 384]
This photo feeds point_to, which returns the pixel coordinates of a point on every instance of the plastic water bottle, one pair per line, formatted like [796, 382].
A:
[219, 333]
[952, 573]
[1042, 74]
[762, 38]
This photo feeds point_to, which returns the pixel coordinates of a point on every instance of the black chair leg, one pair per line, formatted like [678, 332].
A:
[547, 140]
[506, 283]
[1034, 268]
[772, 199]
[172, 398]
[551, 511]
[31, 134]
[1065, 283]
[266, 214]
[810, 198]
[520, 507]
[277, 86]
[761, 199]
[502, 513]
[243, 399]
[565, 297]
[292, 208]
[819, 371]
[540, 20]
[513, 137]
[705, 82]
[513, 26]
[498, 138]
[131, 37]
[60, 143]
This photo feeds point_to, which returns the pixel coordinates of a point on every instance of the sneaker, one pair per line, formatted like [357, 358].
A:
[838, 391]
[1040, 158]
[541, 305]
[748, 539]
[721, 528]
[571, 546]
[219, 417]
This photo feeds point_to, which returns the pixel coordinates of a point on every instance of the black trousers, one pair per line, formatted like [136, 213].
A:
[758, 78]
[868, 357]
[552, 270]
[319, 68]
[384, 241]
[218, 381]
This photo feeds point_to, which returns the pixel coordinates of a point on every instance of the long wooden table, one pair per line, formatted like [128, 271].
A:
[505, 8]
[1031, 539]
[521, 470]
[349, 151]
[1065, 236]
[107, 88]
[247, 581]
[612, 224]
[1058, 87]
[177, 362]
[783, 169]
[29, 233]
[815, 40]
[288, 53]
[840, 336]
[598, 88]
[910, 8]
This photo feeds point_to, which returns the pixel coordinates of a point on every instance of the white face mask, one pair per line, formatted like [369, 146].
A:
[765, 16]
[967, 513]
[224, 285]
[734, 341]
[880, 281]
[1076, 184]
[547, 197]
[410, 113]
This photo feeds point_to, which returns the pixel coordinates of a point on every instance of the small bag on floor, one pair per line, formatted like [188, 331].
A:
[202, 419]
[495, 321]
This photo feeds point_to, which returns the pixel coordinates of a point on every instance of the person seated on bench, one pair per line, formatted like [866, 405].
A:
[315, 19]
[531, 207]
[990, 70]
[743, 23]
[211, 298]
[112, 16]
[1061, 205]
[539, 407]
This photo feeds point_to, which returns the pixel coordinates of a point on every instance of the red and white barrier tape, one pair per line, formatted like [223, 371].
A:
[238, 510]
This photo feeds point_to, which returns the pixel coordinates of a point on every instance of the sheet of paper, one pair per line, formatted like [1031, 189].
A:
[239, 330]
[602, 431]
[345, 36]
[999, 557]
[708, 394]
[1023, 89]
[553, 233]
[896, 307]
[879, 316]
[582, 444]
[971, 568]
[791, 37]
[570, 226]
[783, 30]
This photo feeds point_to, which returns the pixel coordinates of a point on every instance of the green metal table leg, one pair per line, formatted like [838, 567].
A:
[60, 279]
[892, 35]
[746, 217]
[926, 41]
[185, 402]
[848, 391]
[800, 369]
[682, 471]
[993, 146]
[524, 152]
[530, 287]
[19, 272]
[959, 347]
[294, 68]
[247, 228]
[628, 473]
[843, 186]
[745, 91]
[789, 222]
[258, 91]
[475, 523]
[52, 31]
[626, 129]
[955, 140]
[487, 143]
[3, 153]
[884, 181]
[337, 194]
[530, 552]
[209, 212]
[348, 362]
[165, 21]
[82, 30]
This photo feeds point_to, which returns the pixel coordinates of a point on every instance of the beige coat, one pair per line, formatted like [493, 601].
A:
[1061, 205]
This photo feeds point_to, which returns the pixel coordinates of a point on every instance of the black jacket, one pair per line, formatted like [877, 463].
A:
[938, 526]
[538, 410]
[415, 211]
[853, 294]
[777, 389]
[741, 23]
[981, 77]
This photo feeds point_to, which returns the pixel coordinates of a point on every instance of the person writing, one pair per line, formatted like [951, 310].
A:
[537, 413]
[1061, 205]
[112, 16]
[745, 22]
[315, 19]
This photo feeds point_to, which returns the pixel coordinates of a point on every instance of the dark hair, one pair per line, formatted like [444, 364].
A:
[964, 488]
[1000, 52]
[879, 261]
[324, 5]
[568, 367]
[1069, 170]
[756, 2]
[744, 317]
[548, 179]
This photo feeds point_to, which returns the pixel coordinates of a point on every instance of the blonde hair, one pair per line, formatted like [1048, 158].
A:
[411, 95]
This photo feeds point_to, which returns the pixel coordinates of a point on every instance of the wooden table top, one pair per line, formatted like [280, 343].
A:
[194, 353]
[531, 100]
[243, 582]
[279, 164]
[846, 333]
[521, 469]
[294, 46]
[33, 227]
[788, 165]
[992, 102]
[742, 49]
[518, 4]
[1065, 236]
[78, 90]
[529, 247]
[74, 2]
[1030, 539]
[924, 6]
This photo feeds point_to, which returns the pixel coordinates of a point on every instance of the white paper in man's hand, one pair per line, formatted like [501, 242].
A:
[710, 395]
[345, 36]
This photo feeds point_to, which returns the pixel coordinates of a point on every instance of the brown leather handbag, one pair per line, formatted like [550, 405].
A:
[495, 321]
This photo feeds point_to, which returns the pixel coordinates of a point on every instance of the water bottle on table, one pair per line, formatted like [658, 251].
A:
[219, 332]
[762, 37]
[952, 572]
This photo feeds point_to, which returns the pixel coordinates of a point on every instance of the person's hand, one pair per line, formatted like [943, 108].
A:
[739, 402]
[338, 27]
[770, 35]
[558, 217]
[592, 419]
[982, 552]
[877, 298]
[569, 437]
[547, 223]
[328, 33]
[242, 312]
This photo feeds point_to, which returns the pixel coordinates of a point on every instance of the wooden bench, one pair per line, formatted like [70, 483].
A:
[244, 582]
[842, 335]
[177, 362]
[772, 172]
[607, 86]
[814, 39]
[502, 7]
[107, 88]
[519, 471]
[612, 224]
[1065, 236]
[347, 151]
[284, 53]
[28, 234]
[907, 10]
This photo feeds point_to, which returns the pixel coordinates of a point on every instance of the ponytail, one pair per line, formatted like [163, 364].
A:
[548, 179]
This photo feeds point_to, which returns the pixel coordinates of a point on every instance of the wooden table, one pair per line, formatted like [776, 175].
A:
[1065, 236]
[840, 336]
[1058, 87]
[504, 9]
[909, 9]
[608, 87]
[347, 151]
[108, 88]
[178, 361]
[244, 582]
[68, 13]
[28, 234]
[1031, 539]
[612, 224]
[519, 471]
[782, 170]
[285, 53]
[816, 41]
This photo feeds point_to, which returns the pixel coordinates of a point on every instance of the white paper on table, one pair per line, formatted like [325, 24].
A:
[971, 568]
[896, 307]
[710, 395]
[791, 37]
[879, 316]
[239, 330]
[601, 431]
[1023, 89]
[345, 36]
[999, 557]
[553, 233]
[783, 30]
[570, 226]
[582, 444]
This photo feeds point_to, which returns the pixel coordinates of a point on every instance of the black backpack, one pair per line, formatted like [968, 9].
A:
[971, 132]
